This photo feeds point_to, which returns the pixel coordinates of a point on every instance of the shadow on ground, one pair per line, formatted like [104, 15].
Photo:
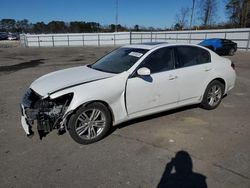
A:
[20, 66]
[183, 175]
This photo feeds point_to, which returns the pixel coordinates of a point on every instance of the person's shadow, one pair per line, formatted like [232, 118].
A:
[183, 177]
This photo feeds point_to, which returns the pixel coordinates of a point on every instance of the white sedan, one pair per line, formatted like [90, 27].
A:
[130, 82]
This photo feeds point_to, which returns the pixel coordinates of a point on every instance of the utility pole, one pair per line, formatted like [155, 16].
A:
[116, 16]
[192, 13]
[191, 21]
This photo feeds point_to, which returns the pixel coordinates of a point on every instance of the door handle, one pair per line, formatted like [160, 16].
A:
[208, 69]
[171, 77]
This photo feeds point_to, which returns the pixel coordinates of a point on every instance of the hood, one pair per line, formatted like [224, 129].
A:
[58, 80]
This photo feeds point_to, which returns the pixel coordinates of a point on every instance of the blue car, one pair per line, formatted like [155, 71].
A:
[220, 46]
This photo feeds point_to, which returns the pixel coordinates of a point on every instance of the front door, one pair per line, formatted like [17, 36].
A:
[158, 91]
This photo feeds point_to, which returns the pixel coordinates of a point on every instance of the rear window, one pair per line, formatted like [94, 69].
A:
[225, 41]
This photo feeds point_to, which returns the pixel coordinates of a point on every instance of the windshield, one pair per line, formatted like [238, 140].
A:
[119, 60]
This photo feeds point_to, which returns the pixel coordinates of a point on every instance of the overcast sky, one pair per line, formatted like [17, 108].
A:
[156, 13]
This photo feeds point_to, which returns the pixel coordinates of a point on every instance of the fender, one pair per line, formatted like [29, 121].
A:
[91, 92]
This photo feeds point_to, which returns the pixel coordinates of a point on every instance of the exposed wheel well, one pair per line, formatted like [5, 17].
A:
[221, 81]
[91, 102]
[218, 79]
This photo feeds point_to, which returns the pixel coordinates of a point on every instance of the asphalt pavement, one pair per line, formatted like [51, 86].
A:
[212, 147]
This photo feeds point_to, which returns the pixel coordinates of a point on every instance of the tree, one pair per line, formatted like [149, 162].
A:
[238, 12]
[177, 26]
[7, 25]
[79, 27]
[112, 27]
[22, 26]
[136, 27]
[57, 27]
[93, 26]
[76, 27]
[207, 11]
[40, 27]
[182, 18]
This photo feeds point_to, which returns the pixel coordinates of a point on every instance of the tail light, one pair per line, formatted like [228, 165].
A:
[233, 66]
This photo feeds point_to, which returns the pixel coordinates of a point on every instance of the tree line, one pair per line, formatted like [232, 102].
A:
[24, 26]
[237, 11]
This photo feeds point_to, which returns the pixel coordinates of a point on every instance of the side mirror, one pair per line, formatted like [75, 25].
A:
[143, 71]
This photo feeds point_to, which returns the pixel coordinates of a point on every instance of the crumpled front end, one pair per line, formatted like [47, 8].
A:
[47, 113]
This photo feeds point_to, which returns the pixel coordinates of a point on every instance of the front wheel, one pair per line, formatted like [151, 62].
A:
[90, 123]
[213, 95]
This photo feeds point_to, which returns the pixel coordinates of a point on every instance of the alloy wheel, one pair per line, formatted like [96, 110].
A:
[214, 95]
[90, 123]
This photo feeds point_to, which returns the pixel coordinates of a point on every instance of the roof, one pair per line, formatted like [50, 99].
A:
[148, 45]
[152, 45]
[210, 39]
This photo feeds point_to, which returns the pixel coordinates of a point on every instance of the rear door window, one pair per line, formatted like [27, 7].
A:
[190, 56]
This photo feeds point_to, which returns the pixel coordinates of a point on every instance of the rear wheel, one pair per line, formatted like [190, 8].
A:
[213, 95]
[90, 123]
[231, 51]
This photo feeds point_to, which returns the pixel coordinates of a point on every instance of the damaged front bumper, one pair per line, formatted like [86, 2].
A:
[47, 113]
[25, 124]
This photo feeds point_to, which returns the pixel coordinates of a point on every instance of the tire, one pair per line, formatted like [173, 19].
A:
[231, 52]
[90, 124]
[213, 95]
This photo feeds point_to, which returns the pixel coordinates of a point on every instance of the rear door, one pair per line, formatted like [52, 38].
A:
[193, 68]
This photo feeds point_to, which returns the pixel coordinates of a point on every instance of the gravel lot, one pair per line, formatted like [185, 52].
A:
[133, 155]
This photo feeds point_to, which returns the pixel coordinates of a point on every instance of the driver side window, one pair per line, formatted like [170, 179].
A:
[159, 60]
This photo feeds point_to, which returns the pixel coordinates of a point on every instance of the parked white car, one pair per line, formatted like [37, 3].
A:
[130, 82]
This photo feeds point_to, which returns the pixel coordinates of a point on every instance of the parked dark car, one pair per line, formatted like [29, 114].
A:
[3, 36]
[220, 46]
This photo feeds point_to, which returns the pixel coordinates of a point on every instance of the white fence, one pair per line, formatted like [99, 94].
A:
[240, 36]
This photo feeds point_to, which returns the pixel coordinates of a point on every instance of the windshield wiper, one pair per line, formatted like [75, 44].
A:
[90, 66]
